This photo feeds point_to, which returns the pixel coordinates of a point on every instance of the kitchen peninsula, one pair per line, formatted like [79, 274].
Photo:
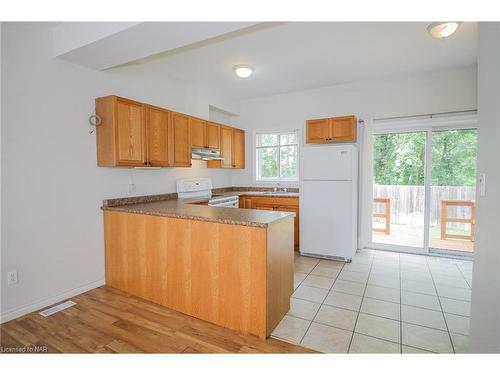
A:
[229, 266]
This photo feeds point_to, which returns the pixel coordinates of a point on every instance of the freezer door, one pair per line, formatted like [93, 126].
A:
[327, 218]
[327, 163]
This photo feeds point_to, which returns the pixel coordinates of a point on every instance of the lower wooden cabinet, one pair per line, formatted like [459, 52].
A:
[236, 276]
[287, 204]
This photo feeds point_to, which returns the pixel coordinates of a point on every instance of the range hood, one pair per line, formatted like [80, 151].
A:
[205, 154]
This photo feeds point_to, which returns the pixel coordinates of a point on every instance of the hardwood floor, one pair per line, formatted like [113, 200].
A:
[106, 320]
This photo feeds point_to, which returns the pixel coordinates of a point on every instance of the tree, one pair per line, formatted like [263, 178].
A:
[399, 158]
[454, 157]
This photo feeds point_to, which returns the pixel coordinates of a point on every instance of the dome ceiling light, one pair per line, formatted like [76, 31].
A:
[243, 71]
[441, 30]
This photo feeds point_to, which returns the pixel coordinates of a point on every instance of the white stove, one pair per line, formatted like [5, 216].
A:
[202, 188]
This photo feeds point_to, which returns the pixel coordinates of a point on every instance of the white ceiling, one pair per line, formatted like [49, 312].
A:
[297, 56]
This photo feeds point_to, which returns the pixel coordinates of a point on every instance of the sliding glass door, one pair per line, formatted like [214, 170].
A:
[398, 189]
[424, 190]
[453, 190]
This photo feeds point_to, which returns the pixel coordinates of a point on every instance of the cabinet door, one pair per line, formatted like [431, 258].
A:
[158, 138]
[343, 129]
[226, 137]
[295, 220]
[198, 132]
[130, 131]
[238, 148]
[245, 202]
[213, 136]
[318, 131]
[260, 205]
[181, 140]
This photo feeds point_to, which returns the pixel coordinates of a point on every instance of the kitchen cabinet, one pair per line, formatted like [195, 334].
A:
[331, 130]
[317, 131]
[181, 140]
[287, 204]
[245, 202]
[204, 134]
[158, 136]
[134, 134]
[198, 132]
[343, 129]
[213, 135]
[238, 148]
[236, 276]
[232, 148]
[121, 136]
[226, 143]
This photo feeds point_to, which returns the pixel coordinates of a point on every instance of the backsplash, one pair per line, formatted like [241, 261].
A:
[160, 197]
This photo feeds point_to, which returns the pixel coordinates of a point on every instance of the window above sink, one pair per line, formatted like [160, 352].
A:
[276, 156]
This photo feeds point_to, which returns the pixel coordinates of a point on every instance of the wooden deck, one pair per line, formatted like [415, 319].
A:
[408, 235]
[106, 320]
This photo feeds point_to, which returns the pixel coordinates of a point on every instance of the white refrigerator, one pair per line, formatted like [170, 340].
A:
[328, 201]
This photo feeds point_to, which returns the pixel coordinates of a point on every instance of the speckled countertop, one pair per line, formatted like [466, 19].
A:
[168, 205]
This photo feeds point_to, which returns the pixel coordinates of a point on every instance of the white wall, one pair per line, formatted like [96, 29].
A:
[51, 187]
[485, 309]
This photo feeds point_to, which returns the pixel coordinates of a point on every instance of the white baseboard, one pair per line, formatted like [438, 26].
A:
[26, 309]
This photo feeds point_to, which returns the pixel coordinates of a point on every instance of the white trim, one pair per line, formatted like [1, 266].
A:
[422, 124]
[396, 248]
[29, 308]
[427, 189]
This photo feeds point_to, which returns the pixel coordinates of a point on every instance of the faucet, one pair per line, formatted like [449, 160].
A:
[279, 188]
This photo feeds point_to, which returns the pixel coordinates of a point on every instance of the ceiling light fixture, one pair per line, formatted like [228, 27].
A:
[243, 71]
[441, 30]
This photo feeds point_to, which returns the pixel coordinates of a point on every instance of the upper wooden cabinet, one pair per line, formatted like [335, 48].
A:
[204, 134]
[158, 137]
[133, 134]
[181, 140]
[226, 142]
[317, 131]
[198, 132]
[343, 129]
[232, 149]
[238, 148]
[331, 130]
[121, 136]
[213, 135]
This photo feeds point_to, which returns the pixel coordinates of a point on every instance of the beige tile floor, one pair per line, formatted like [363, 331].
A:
[382, 302]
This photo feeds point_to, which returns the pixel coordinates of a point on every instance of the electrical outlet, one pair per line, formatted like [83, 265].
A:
[12, 277]
[131, 188]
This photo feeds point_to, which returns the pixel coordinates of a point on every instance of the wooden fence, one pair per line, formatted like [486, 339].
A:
[407, 203]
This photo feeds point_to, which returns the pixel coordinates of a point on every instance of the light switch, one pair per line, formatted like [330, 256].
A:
[482, 184]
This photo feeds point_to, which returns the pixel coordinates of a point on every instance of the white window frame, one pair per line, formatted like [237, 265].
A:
[293, 180]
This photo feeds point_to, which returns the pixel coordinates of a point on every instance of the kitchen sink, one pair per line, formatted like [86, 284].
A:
[276, 193]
